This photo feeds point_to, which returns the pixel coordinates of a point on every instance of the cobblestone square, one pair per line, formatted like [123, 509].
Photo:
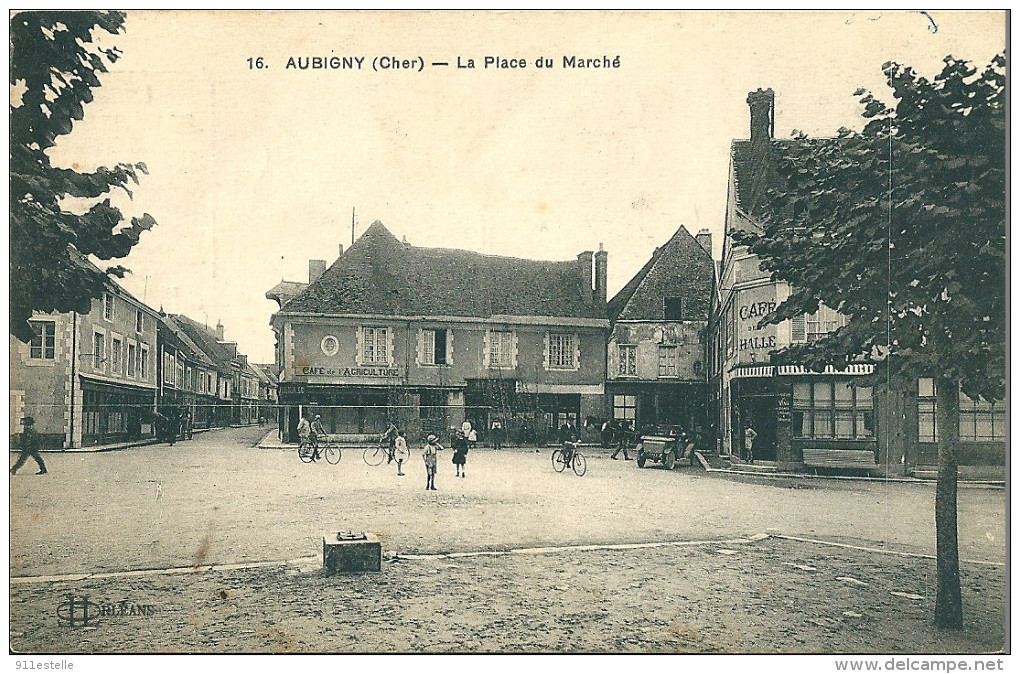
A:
[259, 515]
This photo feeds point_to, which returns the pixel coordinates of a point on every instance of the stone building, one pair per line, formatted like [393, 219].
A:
[656, 372]
[227, 393]
[426, 337]
[845, 419]
[87, 378]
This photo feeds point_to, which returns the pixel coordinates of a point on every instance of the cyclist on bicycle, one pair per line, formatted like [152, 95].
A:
[389, 440]
[304, 431]
[569, 440]
[569, 447]
[317, 431]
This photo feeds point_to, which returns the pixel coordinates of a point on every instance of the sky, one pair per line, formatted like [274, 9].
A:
[252, 172]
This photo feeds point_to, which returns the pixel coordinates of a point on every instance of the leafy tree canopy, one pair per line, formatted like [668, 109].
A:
[900, 227]
[55, 65]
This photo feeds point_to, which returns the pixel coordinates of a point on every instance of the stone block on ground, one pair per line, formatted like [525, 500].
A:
[345, 553]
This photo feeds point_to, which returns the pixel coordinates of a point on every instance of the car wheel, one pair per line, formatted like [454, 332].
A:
[670, 461]
[641, 462]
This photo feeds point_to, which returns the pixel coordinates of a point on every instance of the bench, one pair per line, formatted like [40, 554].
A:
[840, 458]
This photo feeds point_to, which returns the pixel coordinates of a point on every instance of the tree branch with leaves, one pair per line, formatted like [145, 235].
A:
[901, 228]
[55, 65]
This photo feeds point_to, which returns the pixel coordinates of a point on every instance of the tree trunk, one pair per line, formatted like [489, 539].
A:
[948, 602]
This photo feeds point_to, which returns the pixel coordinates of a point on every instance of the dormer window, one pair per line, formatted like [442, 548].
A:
[673, 308]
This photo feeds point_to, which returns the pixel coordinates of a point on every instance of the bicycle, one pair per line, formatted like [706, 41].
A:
[374, 455]
[571, 457]
[309, 453]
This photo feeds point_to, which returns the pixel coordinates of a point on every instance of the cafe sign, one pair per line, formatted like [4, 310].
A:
[753, 342]
[350, 371]
[340, 375]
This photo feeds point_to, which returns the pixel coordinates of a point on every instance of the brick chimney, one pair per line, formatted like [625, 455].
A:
[316, 268]
[601, 275]
[219, 330]
[763, 114]
[704, 237]
[341, 250]
[584, 270]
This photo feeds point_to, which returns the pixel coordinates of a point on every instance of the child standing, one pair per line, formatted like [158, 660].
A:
[460, 450]
[431, 457]
[399, 451]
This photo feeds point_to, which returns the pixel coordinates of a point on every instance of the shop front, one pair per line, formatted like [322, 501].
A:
[646, 404]
[113, 413]
[802, 419]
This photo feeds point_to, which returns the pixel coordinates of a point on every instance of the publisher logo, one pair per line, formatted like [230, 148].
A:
[75, 611]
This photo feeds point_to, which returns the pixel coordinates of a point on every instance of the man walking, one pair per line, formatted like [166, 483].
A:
[497, 431]
[621, 438]
[304, 431]
[29, 441]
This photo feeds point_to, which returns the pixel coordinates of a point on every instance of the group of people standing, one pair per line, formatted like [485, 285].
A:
[462, 440]
[310, 432]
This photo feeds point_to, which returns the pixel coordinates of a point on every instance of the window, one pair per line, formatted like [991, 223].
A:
[809, 327]
[374, 346]
[627, 365]
[832, 410]
[730, 325]
[189, 379]
[98, 350]
[179, 375]
[667, 361]
[132, 358]
[139, 321]
[501, 348]
[115, 350]
[108, 306]
[980, 420]
[625, 407]
[169, 368]
[673, 308]
[43, 345]
[143, 363]
[561, 351]
[927, 422]
[433, 347]
[330, 345]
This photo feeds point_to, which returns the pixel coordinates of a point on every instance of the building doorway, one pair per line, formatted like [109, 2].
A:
[757, 408]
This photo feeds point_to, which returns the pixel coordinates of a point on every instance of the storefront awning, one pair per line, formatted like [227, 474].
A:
[749, 371]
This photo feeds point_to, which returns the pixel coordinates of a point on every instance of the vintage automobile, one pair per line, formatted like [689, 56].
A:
[667, 445]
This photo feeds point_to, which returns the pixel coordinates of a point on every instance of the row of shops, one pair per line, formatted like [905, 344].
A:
[110, 375]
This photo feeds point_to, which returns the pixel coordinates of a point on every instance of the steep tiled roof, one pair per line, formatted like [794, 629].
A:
[679, 268]
[206, 340]
[619, 301]
[185, 341]
[753, 174]
[381, 275]
[269, 370]
[264, 372]
[285, 291]
[82, 260]
[754, 171]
